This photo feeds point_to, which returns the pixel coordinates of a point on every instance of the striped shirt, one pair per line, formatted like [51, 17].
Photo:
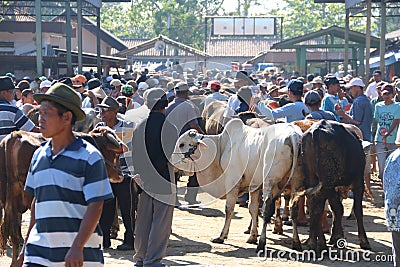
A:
[12, 119]
[63, 186]
[124, 130]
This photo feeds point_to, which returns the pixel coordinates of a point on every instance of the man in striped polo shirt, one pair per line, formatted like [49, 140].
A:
[69, 182]
[11, 117]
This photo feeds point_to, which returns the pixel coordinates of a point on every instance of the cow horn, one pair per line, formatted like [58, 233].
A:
[113, 140]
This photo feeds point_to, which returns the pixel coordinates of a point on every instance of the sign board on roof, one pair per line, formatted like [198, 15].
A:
[243, 26]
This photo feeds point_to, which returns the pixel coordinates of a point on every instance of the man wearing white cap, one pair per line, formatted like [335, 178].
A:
[44, 86]
[360, 113]
[116, 91]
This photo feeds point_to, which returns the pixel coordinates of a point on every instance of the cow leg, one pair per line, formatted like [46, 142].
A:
[278, 228]
[249, 228]
[316, 210]
[337, 227]
[358, 191]
[231, 198]
[286, 212]
[253, 210]
[293, 214]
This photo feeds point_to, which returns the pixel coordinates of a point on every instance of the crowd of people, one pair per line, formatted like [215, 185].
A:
[374, 108]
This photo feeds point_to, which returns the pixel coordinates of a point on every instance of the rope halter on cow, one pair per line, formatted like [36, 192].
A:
[192, 148]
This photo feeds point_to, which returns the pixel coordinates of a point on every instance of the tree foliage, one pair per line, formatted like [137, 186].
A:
[183, 20]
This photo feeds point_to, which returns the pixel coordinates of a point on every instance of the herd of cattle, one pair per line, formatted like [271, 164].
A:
[307, 157]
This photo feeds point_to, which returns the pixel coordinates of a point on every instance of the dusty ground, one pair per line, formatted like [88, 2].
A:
[193, 228]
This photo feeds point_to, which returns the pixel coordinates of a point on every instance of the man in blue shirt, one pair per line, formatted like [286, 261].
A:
[293, 111]
[331, 98]
[360, 114]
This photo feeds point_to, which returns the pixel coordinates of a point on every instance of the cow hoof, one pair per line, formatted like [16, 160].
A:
[260, 248]
[297, 246]
[217, 240]
[365, 246]
[252, 240]
[279, 232]
[247, 232]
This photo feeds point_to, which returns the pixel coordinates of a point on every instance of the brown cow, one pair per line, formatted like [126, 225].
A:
[16, 151]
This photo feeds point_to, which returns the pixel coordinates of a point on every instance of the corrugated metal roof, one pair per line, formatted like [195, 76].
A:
[239, 47]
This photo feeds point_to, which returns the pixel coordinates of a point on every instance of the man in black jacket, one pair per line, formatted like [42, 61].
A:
[152, 145]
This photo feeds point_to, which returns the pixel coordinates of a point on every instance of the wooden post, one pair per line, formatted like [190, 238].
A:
[80, 63]
[382, 45]
[39, 45]
[368, 42]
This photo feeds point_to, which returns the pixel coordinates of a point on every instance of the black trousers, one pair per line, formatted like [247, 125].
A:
[125, 193]
[193, 181]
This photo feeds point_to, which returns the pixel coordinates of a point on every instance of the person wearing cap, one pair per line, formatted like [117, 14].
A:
[391, 189]
[44, 86]
[27, 97]
[273, 92]
[370, 92]
[116, 85]
[135, 95]
[152, 145]
[215, 86]
[375, 101]
[21, 86]
[331, 97]
[263, 94]
[360, 113]
[317, 82]
[68, 181]
[292, 111]
[122, 191]
[94, 95]
[79, 82]
[387, 116]
[11, 117]
[313, 102]
[182, 114]
[142, 87]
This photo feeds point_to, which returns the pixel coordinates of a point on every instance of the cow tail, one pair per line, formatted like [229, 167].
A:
[295, 139]
[5, 224]
[306, 192]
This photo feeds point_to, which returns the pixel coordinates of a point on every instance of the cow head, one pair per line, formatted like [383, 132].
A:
[187, 150]
[111, 147]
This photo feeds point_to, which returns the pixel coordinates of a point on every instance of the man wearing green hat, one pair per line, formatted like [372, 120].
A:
[68, 180]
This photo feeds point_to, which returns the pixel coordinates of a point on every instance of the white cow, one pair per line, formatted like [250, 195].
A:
[238, 160]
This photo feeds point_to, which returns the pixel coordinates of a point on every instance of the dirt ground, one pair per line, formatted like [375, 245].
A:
[193, 228]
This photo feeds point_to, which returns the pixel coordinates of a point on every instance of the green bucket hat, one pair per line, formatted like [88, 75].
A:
[65, 96]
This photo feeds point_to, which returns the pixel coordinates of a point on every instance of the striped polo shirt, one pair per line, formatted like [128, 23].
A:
[12, 119]
[124, 130]
[63, 186]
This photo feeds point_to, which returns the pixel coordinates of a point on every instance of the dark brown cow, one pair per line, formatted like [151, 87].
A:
[328, 165]
[16, 151]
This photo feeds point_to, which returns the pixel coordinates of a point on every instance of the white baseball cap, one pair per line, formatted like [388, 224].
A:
[356, 82]
[143, 86]
[45, 83]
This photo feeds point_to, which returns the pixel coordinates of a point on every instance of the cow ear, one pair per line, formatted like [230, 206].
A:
[202, 144]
